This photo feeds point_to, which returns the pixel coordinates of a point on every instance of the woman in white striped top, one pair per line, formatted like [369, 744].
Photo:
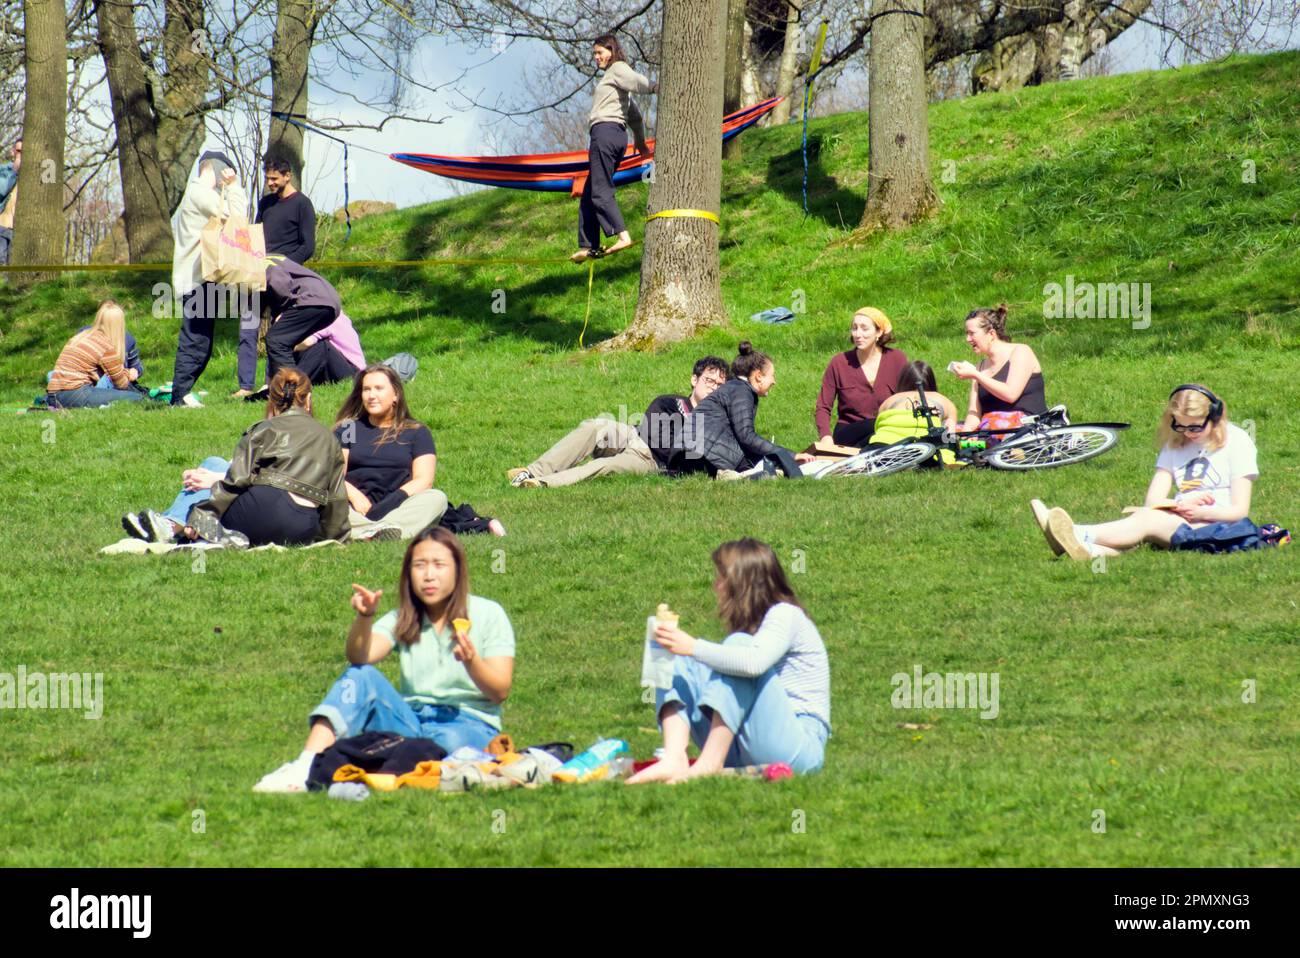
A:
[760, 696]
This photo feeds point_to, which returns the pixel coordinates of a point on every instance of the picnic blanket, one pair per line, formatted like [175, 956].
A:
[133, 546]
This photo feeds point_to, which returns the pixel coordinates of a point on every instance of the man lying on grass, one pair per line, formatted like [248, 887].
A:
[1214, 464]
[760, 696]
[616, 448]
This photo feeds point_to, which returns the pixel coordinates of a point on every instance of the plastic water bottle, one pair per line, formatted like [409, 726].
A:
[594, 763]
[621, 766]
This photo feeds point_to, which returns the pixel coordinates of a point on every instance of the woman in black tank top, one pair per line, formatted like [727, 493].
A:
[1008, 379]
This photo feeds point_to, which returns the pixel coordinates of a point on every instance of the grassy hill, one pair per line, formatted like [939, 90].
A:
[1121, 689]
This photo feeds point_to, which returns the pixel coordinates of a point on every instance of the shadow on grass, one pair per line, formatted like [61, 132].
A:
[834, 205]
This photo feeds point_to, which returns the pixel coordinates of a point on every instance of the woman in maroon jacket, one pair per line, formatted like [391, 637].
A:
[859, 380]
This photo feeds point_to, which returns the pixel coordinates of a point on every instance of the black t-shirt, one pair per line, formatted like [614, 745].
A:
[661, 427]
[289, 225]
[379, 469]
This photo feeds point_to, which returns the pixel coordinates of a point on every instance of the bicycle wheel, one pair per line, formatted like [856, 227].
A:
[1057, 446]
[882, 462]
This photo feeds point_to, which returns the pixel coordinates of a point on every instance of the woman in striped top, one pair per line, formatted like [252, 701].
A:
[98, 351]
[762, 695]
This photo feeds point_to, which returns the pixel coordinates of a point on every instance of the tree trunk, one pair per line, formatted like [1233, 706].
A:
[146, 206]
[295, 28]
[899, 191]
[789, 64]
[751, 86]
[732, 85]
[178, 111]
[680, 274]
[39, 227]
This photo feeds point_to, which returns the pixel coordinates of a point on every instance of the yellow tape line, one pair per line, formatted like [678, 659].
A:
[700, 214]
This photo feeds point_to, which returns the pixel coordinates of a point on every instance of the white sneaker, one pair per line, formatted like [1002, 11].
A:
[290, 777]
[191, 401]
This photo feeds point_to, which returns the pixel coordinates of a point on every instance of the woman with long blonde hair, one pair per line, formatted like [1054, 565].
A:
[1209, 464]
[89, 355]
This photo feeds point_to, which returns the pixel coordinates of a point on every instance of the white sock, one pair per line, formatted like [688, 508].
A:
[1083, 534]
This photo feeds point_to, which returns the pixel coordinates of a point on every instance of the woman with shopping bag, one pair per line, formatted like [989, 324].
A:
[212, 192]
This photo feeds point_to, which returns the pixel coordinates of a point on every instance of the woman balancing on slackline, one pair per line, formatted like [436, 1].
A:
[612, 112]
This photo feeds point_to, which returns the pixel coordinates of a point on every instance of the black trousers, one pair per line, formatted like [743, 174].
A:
[294, 325]
[324, 364]
[267, 514]
[599, 209]
[194, 344]
[854, 433]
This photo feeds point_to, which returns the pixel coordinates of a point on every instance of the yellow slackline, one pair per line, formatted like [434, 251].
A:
[591, 277]
[700, 214]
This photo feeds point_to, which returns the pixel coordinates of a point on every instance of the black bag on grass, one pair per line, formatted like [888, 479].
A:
[384, 752]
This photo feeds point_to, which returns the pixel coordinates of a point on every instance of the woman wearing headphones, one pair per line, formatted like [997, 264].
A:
[1208, 463]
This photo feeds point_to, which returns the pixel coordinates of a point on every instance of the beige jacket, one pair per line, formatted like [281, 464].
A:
[199, 204]
[612, 101]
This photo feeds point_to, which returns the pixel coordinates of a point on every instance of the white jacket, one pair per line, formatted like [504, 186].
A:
[199, 204]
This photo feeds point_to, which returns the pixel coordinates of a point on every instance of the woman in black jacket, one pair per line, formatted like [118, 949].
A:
[285, 481]
[719, 435]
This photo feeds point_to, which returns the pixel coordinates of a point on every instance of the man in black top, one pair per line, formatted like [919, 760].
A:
[617, 448]
[289, 223]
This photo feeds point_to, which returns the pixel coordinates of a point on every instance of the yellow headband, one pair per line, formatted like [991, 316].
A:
[881, 321]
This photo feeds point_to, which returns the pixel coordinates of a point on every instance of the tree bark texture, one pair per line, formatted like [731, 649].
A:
[38, 217]
[789, 63]
[295, 29]
[680, 273]
[732, 82]
[899, 190]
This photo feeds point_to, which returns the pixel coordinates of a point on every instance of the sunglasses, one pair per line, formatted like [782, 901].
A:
[1195, 427]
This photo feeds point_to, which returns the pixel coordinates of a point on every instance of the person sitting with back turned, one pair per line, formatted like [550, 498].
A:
[284, 484]
[616, 448]
[95, 352]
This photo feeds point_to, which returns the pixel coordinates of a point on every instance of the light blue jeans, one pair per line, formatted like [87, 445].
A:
[757, 711]
[92, 397]
[363, 700]
[179, 510]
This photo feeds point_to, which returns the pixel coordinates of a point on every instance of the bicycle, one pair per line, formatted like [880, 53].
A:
[1040, 442]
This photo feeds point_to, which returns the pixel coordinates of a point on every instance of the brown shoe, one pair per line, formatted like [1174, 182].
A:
[1060, 528]
[1040, 516]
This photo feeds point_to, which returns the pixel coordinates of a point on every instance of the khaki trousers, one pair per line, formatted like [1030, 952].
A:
[614, 449]
[413, 516]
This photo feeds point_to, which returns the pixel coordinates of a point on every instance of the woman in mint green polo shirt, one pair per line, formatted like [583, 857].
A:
[453, 677]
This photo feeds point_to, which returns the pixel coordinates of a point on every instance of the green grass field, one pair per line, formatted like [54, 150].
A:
[1120, 690]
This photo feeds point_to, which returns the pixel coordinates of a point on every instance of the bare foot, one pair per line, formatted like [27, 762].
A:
[623, 242]
[496, 528]
[581, 256]
[665, 770]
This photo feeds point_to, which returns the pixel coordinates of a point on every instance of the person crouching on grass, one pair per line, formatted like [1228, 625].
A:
[1212, 461]
[762, 695]
[453, 680]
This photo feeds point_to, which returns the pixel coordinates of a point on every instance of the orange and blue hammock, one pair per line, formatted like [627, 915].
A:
[558, 172]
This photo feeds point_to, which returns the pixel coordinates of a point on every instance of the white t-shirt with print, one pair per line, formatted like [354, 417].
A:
[1196, 470]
